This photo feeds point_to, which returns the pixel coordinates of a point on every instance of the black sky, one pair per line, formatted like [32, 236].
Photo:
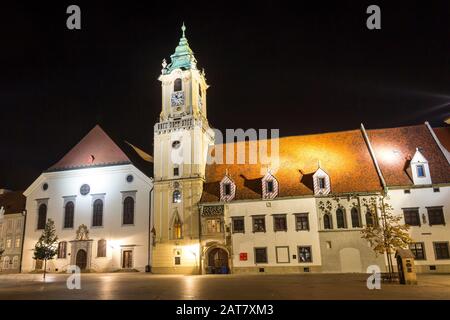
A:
[302, 68]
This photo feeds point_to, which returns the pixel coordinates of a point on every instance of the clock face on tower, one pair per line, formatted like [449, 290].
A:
[177, 99]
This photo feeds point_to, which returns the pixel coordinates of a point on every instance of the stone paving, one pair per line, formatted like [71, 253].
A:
[218, 287]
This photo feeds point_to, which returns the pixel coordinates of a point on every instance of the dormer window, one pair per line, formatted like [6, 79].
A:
[420, 169]
[177, 85]
[269, 186]
[227, 189]
[321, 182]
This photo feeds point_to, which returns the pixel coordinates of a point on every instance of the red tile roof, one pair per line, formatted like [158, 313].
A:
[343, 155]
[95, 149]
[443, 135]
[98, 149]
[394, 148]
[12, 202]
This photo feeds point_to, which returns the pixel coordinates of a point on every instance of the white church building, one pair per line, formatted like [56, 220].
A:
[99, 196]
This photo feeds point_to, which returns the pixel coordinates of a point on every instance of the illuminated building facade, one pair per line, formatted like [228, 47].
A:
[12, 215]
[302, 213]
[99, 197]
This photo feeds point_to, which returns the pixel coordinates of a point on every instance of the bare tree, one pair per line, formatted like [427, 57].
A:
[389, 235]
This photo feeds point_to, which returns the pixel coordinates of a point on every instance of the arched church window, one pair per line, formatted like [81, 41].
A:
[97, 218]
[356, 222]
[327, 221]
[176, 197]
[68, 214]
[42, 216]
[340, 218]
[370, 219]
[128, 210]
[177, 85]
[199, 90]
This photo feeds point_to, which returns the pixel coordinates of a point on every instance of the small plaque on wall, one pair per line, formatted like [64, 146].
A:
[243, 256]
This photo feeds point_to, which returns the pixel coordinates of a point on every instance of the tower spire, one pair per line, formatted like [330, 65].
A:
[183, 28]
[183, 57]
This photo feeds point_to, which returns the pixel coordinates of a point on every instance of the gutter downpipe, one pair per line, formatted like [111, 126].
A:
[150, 220]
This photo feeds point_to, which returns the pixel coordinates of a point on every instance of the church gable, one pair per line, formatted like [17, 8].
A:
[95, 149]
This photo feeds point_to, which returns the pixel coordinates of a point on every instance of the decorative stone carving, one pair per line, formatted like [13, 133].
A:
[82, 233]
[211, 211]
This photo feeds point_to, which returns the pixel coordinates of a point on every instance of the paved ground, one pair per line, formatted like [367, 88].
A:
[217, 287]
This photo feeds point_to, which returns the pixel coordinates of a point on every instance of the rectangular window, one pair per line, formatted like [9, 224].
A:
[441, 250]
[304, 254]
[213, 225]
[260, 255]
[259, 224]
[412, 217]
[435, 216]
[238, 225]
[176, 171]
[8, 242]
[282, 254]
[420, 171]
[227, 189]
[101, 248]
[279, 223]
[177, 261]
[269, 186]
[322, 183]
[17, 243]
[62, 250]
[301, 222]
[418, 249]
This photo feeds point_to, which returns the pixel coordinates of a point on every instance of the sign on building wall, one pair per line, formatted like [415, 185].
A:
[243, 256]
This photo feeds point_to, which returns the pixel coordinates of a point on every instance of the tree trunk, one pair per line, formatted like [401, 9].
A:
[45, 267]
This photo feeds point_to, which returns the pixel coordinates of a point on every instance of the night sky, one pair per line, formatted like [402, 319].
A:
[302, 69]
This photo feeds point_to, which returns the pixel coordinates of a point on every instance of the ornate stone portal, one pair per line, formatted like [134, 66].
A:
[81, 249]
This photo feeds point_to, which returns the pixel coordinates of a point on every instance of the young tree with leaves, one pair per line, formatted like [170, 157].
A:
[389, 235]
[46, 247]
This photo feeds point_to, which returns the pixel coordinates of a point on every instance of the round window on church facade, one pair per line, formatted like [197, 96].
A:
[45, 186]
[176, 144]
[85, 189]
[130, 178]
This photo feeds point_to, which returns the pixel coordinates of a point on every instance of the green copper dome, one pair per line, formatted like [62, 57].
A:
[183, 58]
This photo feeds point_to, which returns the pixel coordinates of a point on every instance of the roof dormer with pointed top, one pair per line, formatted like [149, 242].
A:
[420, 169]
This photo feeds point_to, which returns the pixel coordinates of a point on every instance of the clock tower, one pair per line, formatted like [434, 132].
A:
[181, 141]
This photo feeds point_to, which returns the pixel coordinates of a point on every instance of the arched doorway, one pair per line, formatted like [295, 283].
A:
[81, 260]
[218, 261]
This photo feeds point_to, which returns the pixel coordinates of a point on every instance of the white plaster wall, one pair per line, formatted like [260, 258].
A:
[248, 241]
[108, 180]
[422, 198]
